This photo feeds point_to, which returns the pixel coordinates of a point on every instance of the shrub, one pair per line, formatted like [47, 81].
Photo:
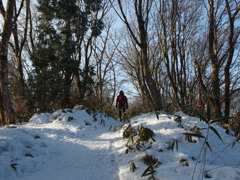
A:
[152, 164]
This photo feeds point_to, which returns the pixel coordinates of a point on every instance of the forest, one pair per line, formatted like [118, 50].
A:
[167, 55]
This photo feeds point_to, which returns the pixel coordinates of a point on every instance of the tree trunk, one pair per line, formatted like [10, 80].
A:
[142, 12]
[7, 29]
[212, 42]
[231, 44]
[66, 102]
[3, 118]
[19, 45]
[88, 52]
[155, 94]
[142, 25]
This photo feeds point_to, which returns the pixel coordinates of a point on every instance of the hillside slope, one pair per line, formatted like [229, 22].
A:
[83, 144]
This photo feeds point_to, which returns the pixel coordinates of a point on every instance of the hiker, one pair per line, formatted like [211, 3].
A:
[121, 104]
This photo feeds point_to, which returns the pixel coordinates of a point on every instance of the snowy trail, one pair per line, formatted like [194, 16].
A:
[73, 145]
[77, 150]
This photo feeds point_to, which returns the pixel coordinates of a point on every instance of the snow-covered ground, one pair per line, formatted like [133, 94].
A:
[80, 144]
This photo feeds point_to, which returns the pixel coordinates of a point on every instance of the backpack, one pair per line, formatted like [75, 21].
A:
[122, 100]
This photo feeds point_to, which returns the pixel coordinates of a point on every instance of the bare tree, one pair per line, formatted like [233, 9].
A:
[20, 42]
[139, 34]
[104, 54]
[222, 40]
[233, 8]
[3, 118]
[216, 64]
[9, 20]
[213, 57]
[175, 28]
[190, 48]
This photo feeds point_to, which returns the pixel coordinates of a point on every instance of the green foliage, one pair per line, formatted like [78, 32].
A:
[184, 162]
[97, 27]
[61, 28]
[87, 76]
[87, 123]
[149, 160]
[116, 128]
[92, 5]
[235, 124]
[157, 114]
[152, 164]
[207, 175]
[178, 119]
[132, 166]
[29, 155]
[172, 143]
[207, 119]
[136, 138]
[129, 132]
[44, 91]
[196, 131]
[236, 140]
[145, 134]
[102, 122]
[14, 166]
[215, 131]
[189, 137]
[70, 118]
[37, 137]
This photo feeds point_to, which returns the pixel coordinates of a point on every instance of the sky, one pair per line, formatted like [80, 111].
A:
[80, 144]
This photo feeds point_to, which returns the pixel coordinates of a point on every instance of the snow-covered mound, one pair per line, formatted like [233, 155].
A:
[85, 144]
[179, 157]
[25, 149]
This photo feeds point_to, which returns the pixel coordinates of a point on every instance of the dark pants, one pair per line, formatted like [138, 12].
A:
[121, 111]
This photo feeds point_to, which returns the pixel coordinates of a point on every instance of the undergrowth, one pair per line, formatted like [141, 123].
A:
[141, 139]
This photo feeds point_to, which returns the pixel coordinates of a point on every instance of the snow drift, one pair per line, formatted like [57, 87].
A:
[86, 144]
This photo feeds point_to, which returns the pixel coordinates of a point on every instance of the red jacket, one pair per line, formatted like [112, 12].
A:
[121, 100]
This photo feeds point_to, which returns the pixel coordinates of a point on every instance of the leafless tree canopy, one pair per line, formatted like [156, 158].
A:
[175, 53]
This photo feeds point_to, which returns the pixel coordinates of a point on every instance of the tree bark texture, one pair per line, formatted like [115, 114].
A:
[19, 43]
[212, 42]
[231, 49]
[7, 30]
